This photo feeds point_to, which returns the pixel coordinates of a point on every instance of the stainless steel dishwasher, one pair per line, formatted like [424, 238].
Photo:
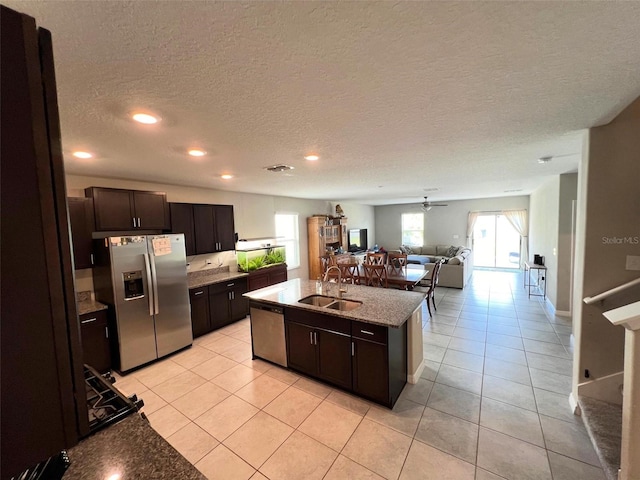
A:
[267, 333]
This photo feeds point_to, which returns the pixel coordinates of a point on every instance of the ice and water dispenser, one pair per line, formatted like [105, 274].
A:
[133, 287]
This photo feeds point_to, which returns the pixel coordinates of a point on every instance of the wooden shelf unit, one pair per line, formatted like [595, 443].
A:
[324, 231]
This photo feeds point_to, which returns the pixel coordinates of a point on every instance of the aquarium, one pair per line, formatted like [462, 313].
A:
[255, 258]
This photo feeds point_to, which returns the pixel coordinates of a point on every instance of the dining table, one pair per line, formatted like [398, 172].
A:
[406, 278]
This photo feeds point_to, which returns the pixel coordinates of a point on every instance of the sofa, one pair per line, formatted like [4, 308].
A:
[458, 266]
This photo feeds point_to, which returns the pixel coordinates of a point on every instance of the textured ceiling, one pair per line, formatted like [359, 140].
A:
[396, 97]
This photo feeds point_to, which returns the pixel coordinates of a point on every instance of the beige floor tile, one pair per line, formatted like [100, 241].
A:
[193, 356]
[569, 439]
[427, 463]
[404, 417]
[460, 403]
[257, 439]
[514, 421]
[192, 442]
[236, 378]
[467, 346]
[222, 344]
[509, 392]
[239, 353]
[464, 360]
[152, 402]
[300, 457]
[331, 425]
[350, 402]
[167, 421]
[460, 378]
[554, 382]
[243, 336]
[201, 399]
[378, 448]
[417, 392]
[292, 406]
[257, 364]
[506, 354]
[506, 456]
[214, 367]
[484, 475]
[129, 385]
[178, 386]
[283, 375]
[449, 434]
[226, 417]
[314, 388]
[564, 468]
[258, 476]
[208, 338]
[223, 464]
[159, 372]
[431, 369]
[262, 390]
[345, 469]
[507, 370]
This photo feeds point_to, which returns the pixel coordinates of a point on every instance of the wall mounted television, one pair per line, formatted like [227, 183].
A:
[357, 239]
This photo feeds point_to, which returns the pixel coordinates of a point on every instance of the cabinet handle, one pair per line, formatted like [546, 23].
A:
[367, 332]
[198, 293]
[106, 332]
[315, 337]
[353, 349]
[89, 320]
[230, 284]
[134, 221]
[311, 338]
[92, 261]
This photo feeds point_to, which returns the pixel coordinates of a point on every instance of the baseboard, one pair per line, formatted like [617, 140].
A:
[563, 313]
[606, 389]
[575, 406]
[415, 376]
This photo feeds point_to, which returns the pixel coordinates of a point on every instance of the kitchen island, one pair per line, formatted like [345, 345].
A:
[372, 347]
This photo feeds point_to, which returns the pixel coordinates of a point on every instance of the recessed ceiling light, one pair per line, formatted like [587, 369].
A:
[311, 157]
[83, 155]
[145, 118]
[195, 152]
[226, 176]
[545, 159]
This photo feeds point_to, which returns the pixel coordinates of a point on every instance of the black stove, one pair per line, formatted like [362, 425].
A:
[105, 404]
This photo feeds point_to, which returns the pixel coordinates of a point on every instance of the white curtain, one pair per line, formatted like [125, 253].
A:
[471, 222]
[518, 218]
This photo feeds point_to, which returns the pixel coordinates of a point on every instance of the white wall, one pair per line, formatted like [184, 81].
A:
[568, 195]
[441, 224]
[543, 230]
[253, 214]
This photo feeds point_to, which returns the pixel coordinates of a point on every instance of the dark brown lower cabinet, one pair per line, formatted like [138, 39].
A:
[267, 276]
[216, 305]
[94, 331]
[199, 299]
[369, 360]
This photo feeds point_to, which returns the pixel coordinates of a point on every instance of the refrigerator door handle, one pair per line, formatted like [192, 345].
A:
[154, 280]
[149, 282]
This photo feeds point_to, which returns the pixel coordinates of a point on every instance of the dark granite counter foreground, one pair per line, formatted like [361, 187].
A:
[132, 449]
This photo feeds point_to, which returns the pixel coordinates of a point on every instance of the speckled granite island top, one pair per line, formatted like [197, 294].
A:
[381, 306]
[209, 277]
[130, 449]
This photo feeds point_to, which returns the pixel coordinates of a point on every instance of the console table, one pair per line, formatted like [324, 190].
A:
[541, 277]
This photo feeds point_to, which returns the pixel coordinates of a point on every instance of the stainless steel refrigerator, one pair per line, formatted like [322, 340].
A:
[144, 279]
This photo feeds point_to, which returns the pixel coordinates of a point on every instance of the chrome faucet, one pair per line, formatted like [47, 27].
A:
[326, 279]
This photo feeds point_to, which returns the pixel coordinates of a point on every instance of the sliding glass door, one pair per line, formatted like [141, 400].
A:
[495, 242]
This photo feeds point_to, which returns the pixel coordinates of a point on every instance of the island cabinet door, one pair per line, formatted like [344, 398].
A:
[371, 370]
[334, 357]
[301, 347]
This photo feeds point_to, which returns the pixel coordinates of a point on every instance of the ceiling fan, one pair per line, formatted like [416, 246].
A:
[426, 205]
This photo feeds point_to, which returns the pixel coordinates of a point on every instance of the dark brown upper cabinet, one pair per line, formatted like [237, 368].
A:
[207, 228]
[82, 224]
[126, 210]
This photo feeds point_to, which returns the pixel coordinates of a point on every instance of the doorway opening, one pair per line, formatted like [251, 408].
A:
[496, 244]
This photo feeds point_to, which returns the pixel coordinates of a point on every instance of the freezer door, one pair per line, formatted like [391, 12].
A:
[133, 301]
[171, 301]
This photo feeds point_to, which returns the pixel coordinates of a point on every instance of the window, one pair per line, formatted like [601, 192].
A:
[287, 233]
[413, 229]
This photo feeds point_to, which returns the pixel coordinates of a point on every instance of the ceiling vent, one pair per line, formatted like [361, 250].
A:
[279, 168]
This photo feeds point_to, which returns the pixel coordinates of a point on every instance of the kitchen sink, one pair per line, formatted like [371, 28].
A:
[330, 302]
[317, 300]
[344, 305]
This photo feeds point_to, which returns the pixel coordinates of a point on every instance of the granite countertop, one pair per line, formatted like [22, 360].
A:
[86, 304]
[131, 449]
[214, 275]
[380, 306]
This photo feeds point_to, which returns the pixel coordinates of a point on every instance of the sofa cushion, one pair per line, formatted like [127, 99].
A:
[429, 250]
[442, 250]
[457, 260]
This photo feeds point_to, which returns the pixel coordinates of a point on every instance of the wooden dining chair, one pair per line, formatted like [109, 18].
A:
[375, 275]
[431, 289]
[376, 258]
[397, 263]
